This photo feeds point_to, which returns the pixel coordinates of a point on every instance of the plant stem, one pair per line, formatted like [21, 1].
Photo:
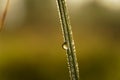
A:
[68, 40]
[2, 20]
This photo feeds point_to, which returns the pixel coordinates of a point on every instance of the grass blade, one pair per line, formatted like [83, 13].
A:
[68, 44]
[2, 20]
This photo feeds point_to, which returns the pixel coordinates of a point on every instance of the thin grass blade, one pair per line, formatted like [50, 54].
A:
[68, 44]
[2, 20]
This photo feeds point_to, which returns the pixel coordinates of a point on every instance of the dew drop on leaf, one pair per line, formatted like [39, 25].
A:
[65, 46]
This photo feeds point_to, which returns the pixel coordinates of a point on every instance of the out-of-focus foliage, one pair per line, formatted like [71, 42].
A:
[31, 49]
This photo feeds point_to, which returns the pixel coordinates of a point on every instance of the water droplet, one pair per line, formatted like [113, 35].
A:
[65, 46]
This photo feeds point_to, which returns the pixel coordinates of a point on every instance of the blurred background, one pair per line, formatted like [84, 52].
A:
[30, 44]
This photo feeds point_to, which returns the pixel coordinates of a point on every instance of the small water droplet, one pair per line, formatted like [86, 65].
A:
[65, 46]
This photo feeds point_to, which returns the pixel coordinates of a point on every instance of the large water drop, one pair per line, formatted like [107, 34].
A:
[65, 46]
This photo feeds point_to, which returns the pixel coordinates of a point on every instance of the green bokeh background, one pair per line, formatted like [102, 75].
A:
[33, 50]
